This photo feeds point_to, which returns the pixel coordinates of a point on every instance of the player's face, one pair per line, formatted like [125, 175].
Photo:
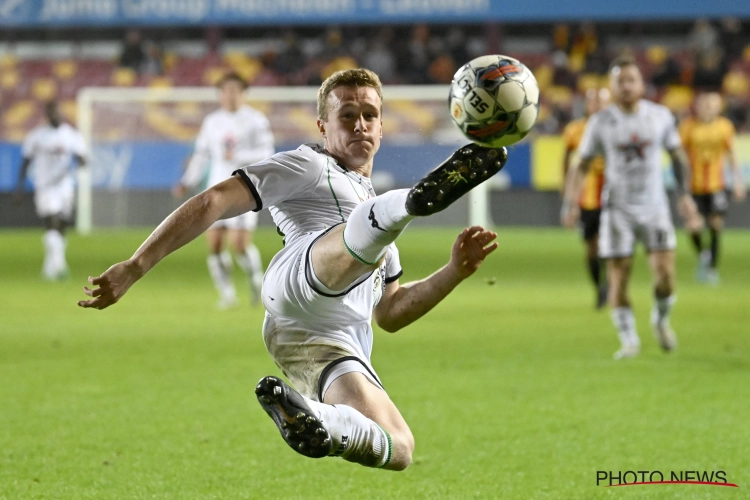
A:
[708, 106]
[353, 129]
[230, 95]
[627, 84]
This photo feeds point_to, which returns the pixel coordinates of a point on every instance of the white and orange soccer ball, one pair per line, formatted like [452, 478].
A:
[494, 100]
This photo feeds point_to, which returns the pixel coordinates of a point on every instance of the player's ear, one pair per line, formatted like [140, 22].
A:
[321, 127]
[381, 129]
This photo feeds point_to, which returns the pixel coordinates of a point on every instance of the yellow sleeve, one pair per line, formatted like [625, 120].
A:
[729, 134]
[685, 127]
[569, 136]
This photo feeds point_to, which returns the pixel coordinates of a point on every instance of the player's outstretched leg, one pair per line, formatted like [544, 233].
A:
[465, 169]
[317, 430]
[377, 222]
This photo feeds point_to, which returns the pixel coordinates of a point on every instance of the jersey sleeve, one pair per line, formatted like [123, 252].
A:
[30, 145]
[279, 178]
[671, 140]
[570, 136]
[729, 134]
[685, 129]
[590, 145]
[393, 269]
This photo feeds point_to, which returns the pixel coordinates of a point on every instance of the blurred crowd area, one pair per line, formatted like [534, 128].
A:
[678, 60]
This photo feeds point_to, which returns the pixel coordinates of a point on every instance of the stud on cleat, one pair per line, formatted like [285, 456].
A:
[296, 421]
[464, 170]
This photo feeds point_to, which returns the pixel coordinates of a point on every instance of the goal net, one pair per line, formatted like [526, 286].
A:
[141, 138]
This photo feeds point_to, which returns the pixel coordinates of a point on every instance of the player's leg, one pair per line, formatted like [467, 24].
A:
[54, 243]
[590, 224]
[355, 248]
[618, 273]
[616, 243]
[246, 253]
[716, 224]
[662, 264]
[220, 267]
[356, 391]
[703, 203]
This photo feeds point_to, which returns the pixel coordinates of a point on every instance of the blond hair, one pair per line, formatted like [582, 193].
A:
[358, 77]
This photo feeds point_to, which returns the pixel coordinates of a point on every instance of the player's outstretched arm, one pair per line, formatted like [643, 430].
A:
[401, 305]
[21, 178]
[227, 199]
[573, 185]
[740, 191]
[685, 203]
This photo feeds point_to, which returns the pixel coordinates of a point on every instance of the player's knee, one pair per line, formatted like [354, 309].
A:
[403, 449]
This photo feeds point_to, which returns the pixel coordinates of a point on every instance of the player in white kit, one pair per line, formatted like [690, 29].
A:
[230, 137]
[631, 134]
[51, 150]
[339, 268]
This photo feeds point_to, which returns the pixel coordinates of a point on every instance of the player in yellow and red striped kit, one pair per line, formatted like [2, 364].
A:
[709, 140]
[590, 200]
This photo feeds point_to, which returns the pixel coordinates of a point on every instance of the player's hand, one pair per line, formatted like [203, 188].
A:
[178, 191]
[472, 246]
[569, 217]
[739, 191]
[689, 213]
[112, 285]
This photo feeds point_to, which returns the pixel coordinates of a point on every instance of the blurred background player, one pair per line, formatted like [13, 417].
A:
[708, 139]
[231, 137]
[589, 203]
[631, 135]
[51, 149]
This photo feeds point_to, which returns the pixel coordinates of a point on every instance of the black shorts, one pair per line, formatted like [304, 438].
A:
[712, 203]
[590, 223]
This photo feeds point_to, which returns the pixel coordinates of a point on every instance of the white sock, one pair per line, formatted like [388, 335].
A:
[220, 275]
[54, 261]
[252, 265]
[355, 437]
[375, 224]
[662, 308]
[624, 321]
[48, 268]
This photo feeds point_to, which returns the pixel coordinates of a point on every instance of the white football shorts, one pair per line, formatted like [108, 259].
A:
[313, 334]
[57, 199]
[620, 229]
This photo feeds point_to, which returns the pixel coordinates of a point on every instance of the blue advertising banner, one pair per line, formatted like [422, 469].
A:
[159, 165]
[31, 13]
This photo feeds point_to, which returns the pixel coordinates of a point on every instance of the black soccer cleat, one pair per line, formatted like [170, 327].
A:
[296, 421]
[464, 170]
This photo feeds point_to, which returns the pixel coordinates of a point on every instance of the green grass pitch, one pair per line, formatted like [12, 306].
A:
[509, 387]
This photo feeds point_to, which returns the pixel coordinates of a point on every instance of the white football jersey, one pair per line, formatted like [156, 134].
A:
[632, 145]
[51, 150]
[228, 141]
[305, 190]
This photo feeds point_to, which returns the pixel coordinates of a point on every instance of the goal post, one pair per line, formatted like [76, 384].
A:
[413, 115]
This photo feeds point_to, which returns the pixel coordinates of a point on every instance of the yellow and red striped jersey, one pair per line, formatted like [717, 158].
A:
[591, 195]
[707, 144]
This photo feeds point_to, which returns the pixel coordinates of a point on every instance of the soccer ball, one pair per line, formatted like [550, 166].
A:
[494, 100]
